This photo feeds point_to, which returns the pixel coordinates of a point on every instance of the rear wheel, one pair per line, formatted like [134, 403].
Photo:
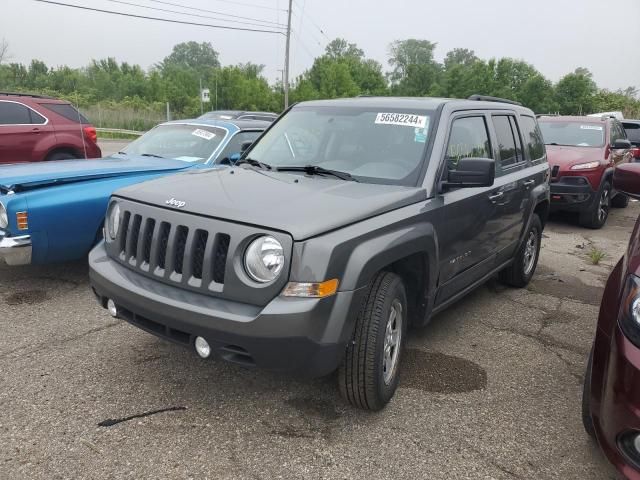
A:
[597, 216]
[519, 273]
[60, 156]
[587, 419]
[368, 377]
[620, 201]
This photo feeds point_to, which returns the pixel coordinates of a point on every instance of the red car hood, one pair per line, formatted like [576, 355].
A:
[564, 157]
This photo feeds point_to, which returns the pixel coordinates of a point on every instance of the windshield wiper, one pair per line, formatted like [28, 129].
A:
[254, 163]
[122, 153]
[316, 170]
[151, 155]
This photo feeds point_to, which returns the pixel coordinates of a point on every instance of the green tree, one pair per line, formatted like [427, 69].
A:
[575, 93]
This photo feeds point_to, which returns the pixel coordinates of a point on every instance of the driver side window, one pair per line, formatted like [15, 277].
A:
[468, 139]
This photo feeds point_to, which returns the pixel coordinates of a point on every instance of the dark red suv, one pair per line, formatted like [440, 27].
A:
[611, 398]
[34, 128]
[582, 154]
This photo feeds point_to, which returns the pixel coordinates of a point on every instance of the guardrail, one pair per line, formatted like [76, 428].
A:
[119, 130]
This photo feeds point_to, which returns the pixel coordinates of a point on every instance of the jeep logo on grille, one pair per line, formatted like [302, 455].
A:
[175, 203]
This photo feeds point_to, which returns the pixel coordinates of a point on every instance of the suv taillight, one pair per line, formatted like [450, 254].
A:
[91, 134]
[636, 153]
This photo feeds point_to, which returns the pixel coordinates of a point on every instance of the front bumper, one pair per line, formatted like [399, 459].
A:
[571, 193]
[306, 337]
[618, 412]
[15, 250]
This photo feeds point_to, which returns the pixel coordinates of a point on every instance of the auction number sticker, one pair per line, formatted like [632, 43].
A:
[402, 119]
[198, 132]
[591, 127]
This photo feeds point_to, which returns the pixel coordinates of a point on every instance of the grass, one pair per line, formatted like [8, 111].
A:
[595, 255]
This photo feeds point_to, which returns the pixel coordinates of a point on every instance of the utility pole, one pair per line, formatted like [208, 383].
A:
[201, 102]
[286, 59]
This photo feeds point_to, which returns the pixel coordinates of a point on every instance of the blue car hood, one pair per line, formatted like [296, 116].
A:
[29, 176]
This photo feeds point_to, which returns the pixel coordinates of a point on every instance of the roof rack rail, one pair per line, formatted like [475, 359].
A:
[486, 98]
[32, 95]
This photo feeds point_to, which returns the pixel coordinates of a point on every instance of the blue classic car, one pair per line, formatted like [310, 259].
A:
[54, 211]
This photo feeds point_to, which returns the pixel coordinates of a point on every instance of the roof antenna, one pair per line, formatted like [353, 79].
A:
[84, 143]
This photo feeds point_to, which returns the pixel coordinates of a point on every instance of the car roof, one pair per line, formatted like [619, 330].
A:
[419, 103]
[214, 122]
[237, 113]
[30, 96]
[635, 122]
[573, 118]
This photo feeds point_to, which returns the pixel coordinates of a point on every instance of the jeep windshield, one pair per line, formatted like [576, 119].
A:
[573, 134]
[189, 143]
[373, 146]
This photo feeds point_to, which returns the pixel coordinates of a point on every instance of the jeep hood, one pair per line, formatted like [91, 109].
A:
[300, 205]
[29, 176]
[567, 156]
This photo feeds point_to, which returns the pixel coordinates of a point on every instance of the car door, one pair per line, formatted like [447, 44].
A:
[21, 130]
[511, 187]
[466, 243]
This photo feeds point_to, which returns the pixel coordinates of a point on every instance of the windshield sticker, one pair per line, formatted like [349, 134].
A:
[402, 119]
[591, 127]
[421, 135]
[198, 132]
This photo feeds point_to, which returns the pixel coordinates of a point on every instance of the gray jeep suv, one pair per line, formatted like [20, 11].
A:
[347, 222]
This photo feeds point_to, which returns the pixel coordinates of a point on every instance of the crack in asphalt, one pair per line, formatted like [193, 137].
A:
[110, 422]
[46, 346]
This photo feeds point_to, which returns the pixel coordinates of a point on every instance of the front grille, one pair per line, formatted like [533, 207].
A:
[174, 252]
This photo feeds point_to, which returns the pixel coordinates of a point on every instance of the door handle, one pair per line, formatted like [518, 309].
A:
[36, 130]
[496, 196]
[528, 183]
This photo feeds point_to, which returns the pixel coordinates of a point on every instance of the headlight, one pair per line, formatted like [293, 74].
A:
[113, 220]
[585, 166]
[4, 219]
[264, 259]
[630, 310]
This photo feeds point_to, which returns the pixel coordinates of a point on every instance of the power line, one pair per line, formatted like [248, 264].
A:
[253, 5]
[211, 11]
[187, 14]
[317, 26]
[167, 20]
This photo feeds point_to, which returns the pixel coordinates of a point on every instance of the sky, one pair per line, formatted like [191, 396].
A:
[556, 36]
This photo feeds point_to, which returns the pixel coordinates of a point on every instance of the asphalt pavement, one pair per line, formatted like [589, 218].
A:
[109, 147]
[491, 389]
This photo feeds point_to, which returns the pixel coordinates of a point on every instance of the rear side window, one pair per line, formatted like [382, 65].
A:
[67, 111]
[14, 114]
[468, 139]
[633, 132]
[508, 140]
[36, 118]
[532, 137]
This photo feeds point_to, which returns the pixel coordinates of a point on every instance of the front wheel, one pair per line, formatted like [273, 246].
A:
[368, 375]
[519, 273]
[620, 201]
[597, 216]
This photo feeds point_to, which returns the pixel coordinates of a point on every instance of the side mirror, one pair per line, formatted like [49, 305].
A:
[234, 158]
[621, 144]
[245, 145]
[626, 179]
[472, 172]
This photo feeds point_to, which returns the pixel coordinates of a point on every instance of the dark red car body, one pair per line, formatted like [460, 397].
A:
[611, 403]
[36, 128]
[579, 190]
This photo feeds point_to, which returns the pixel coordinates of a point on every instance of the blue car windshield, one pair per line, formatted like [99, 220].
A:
[189, 143]
[373, 146]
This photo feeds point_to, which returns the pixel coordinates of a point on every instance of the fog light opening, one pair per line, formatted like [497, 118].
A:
[203, 349]
[112, 308]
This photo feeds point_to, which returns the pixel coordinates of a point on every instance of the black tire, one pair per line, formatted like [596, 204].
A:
[587, 420]
[520, 272]
[362, 374]
[597, 215]
[60, 156]
[620, 201]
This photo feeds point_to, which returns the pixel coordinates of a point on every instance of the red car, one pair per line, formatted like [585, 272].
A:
[611, 397]
[34, 128]
[582, 154]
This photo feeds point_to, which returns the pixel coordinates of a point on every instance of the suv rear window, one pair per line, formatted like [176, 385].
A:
[532, 137]
[633, 132]
[67, 111]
